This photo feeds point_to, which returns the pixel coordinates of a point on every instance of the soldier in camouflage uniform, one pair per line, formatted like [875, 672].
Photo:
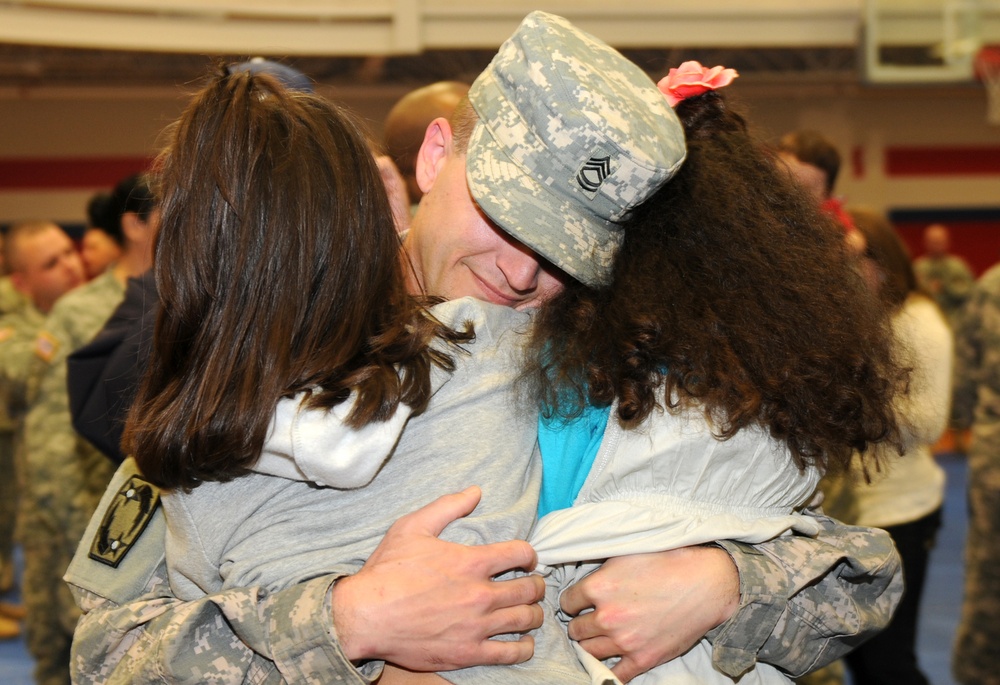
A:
[11, 300]
[65, 475]
[45, 265]
[976, 660]
[793, 593]
[945, 277]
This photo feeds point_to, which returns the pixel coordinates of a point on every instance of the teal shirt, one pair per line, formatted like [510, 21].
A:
[568, 449]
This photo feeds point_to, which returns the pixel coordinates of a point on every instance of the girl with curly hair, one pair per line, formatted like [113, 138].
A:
[735, 356]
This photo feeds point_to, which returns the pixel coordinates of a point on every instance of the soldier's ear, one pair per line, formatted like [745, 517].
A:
[433, 153]
[17, 280]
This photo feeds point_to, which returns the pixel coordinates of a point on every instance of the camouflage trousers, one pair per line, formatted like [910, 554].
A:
[52, 613]
[976, 660]
[8, 507]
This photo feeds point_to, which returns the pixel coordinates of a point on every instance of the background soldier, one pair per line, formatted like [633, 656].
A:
[945, 277]
[44, 266]
[65, 475]
[977, 402]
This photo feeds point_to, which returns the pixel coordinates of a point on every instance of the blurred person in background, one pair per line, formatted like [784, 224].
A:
[10, 297]
[946, 277]
[814, 161]
[44, 265]
[906, 495]
[976, 657]
[64, 475]
[103, 241]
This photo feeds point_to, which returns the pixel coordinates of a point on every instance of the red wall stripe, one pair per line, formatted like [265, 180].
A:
[858, 161]
[67, 173]
[941, 161]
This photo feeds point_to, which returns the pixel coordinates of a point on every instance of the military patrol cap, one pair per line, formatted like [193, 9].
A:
[571, 136]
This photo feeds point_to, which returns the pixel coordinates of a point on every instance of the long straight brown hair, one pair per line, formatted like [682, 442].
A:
[278, 271]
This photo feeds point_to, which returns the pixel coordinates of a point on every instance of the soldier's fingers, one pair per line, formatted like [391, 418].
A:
[585, 627]
[432, 518]
[519, 619]
[501, 557]
[499, 652]
[601, 647]
[575, 599]
[522, 591]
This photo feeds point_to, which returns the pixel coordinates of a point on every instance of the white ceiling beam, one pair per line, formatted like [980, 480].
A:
[382, 27]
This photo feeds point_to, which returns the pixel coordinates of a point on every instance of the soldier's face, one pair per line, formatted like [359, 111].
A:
[456, 251]
[48, 267]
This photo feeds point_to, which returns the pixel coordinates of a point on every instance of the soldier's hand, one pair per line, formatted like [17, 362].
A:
[430, 605]
[651, 608]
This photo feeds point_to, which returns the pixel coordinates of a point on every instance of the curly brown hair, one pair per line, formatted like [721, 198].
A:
[734, 294]
[278, 270]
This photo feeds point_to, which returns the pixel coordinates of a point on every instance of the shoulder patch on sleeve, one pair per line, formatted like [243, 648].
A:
[6, 333]
[46, 346]
[124, 521]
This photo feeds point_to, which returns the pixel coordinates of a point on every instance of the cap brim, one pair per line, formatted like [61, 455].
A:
[536, 215]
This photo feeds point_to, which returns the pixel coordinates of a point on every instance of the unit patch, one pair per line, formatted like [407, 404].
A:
[124, 521]
[46, 347]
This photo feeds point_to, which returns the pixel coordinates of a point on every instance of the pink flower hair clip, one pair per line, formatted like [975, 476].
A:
[690, 79]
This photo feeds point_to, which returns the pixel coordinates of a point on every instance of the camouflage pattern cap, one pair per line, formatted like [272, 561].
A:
[571, 136]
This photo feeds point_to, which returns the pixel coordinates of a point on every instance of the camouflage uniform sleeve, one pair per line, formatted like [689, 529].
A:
[959, 282]
[17, 359]
[805, 602]
[134, 630]
[968, 357]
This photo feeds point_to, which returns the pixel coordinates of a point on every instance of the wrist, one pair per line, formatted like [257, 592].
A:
[349, 621]
[728, 586]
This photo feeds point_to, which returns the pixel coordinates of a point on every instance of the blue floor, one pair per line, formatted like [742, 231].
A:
[942, 600]
[939, 615]
[15, 664]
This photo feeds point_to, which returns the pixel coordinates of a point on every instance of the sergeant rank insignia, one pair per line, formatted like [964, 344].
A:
[124, 521]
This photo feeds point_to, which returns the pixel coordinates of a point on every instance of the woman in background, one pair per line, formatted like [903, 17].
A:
[905, 496]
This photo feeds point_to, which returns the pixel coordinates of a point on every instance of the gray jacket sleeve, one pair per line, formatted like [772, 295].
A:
[805, 602]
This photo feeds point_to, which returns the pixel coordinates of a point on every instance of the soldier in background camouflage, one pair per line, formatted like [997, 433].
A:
[794, 593]
[945, 277]
[11, 300]
[976, 659]
[65, 476]
[44, 265]
[17, 331]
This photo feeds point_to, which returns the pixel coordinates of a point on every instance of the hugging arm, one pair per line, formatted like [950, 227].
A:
[802, 602]
[821, 596]
[240, 635]
[134, 630]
